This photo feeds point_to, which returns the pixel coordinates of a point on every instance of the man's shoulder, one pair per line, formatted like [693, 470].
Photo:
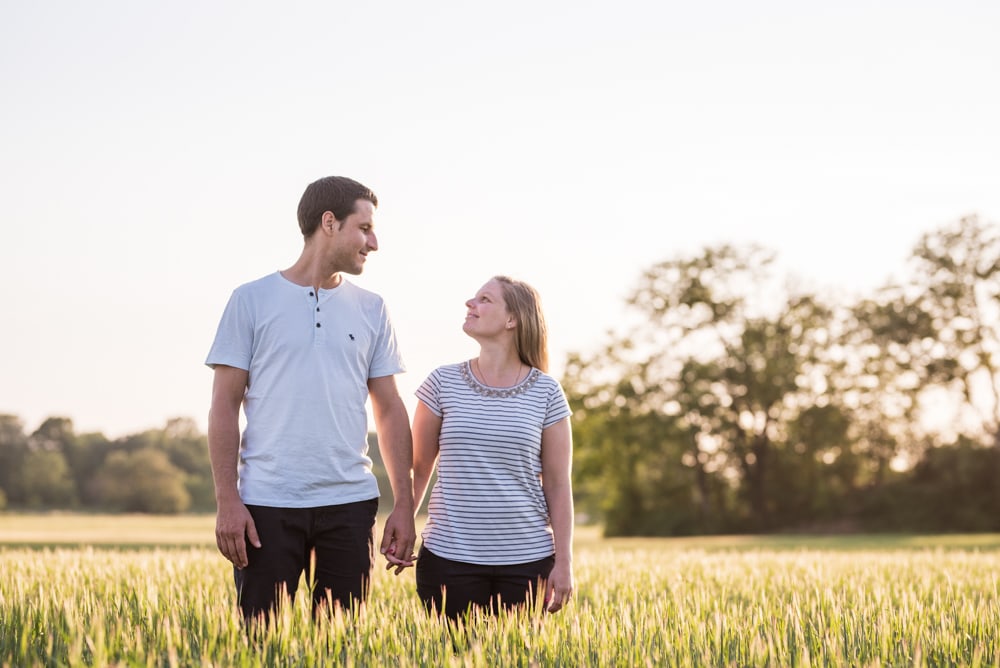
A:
[266, 282]
[359, 292]
[370, 303]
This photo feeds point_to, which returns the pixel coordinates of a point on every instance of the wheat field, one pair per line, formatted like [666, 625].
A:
[154, 592]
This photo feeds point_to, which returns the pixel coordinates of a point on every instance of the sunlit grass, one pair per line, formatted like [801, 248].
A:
[60, 529]
[686, 602]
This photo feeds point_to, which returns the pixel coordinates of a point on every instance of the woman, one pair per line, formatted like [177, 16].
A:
[500, 517]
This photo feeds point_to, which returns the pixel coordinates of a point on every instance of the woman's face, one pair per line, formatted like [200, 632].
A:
[486, 313]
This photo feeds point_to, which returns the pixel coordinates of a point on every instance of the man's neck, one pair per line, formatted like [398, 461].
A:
[310, 269]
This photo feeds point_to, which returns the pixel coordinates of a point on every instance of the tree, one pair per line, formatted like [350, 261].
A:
[35, 471]
[882, 381]
[44, 481]
[951, 488]
[187, 449]
[627, 457]
[13, 448]
[957, 286]
[141, 481]
[713, 375]
[55, 434]
[86, 454]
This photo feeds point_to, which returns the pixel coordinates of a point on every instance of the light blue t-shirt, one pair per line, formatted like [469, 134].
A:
[309, 356]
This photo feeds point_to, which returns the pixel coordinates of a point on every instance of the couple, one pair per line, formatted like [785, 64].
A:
[300, 351]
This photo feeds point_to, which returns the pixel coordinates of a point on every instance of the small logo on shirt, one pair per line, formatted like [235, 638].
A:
[351, 336]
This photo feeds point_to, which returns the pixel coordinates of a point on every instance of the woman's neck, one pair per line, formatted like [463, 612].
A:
[499, 367]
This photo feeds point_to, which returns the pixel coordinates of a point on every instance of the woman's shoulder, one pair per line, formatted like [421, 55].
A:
[546, 380]
[454, 367]
[453, 370]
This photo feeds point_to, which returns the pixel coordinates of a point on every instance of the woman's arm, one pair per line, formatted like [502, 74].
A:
[557, 465]
[426, 432]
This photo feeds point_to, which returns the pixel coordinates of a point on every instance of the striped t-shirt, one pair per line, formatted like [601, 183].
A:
[487, 506]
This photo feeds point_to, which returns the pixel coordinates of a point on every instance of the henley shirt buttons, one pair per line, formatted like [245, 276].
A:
[318, 325]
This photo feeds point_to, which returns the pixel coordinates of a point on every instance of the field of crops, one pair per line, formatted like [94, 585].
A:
[167, 599]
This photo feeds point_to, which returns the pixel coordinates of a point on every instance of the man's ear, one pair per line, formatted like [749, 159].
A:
[328, 222]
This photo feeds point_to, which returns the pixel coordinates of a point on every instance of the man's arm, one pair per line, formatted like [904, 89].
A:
[233, 524]
[396, 445]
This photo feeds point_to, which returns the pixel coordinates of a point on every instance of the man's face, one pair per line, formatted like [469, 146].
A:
[355, 238]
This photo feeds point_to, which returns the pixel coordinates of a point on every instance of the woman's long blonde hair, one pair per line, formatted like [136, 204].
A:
[525, 304]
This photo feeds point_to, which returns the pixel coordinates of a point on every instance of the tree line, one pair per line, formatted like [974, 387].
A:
[161, 471]
[156, 471]
[737, 401]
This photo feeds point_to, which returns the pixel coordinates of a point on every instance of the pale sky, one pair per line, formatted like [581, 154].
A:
[152, 156]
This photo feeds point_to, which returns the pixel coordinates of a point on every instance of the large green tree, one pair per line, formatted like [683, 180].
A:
[39, 475]
[142, 481]
[956, 285]
[186, 449]
[627, 459]
[712, 378]
[45, 481]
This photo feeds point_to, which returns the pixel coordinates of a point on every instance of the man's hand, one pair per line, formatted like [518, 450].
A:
[233, 526]
[398, 540]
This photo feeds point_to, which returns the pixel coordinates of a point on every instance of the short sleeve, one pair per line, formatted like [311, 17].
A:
[429, 392]
[558, 407]
[387, 359]
[233, 345]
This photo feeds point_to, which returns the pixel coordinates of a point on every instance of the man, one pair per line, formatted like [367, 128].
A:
[301, 350]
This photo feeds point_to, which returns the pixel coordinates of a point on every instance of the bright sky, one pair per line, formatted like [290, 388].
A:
[152, 156]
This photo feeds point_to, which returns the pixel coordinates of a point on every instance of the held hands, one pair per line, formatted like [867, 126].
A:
[233, 527]
[398, 540]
